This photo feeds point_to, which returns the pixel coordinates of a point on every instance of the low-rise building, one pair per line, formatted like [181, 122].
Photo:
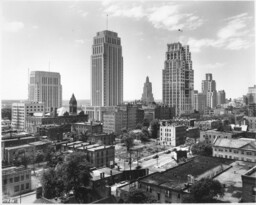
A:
[207, 124]
[15, 181]
[98, 155]
[251, 122]
[83, 127]
[103, 138]
[173, 184]
[171, 134]
[249, 186]
[53, 131]
[32, 122]
[20, 111]
[243, 149]
[209, 136]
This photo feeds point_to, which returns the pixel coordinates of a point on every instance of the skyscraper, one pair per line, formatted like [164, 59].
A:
[45, 87]
[178, 78]
[147, 95]
[106, 70]
[221, 97]
[199, 101]
[209, 88]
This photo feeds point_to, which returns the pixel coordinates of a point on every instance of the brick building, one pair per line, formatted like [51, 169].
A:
[249, 186]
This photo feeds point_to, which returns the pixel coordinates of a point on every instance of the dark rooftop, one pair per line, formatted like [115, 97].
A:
[175, 178]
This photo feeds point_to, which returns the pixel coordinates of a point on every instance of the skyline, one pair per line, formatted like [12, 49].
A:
[57, 32]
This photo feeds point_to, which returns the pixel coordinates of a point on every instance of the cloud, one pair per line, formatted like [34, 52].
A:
[169, 17]
[13, 26]
[79, 41]
[234, 35]
[212, 66]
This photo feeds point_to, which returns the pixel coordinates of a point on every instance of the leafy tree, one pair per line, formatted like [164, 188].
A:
[129, 140]
[204, 191]
[21, 158]
[202, 148]
[6, 113]
[145, 123]
[154, 128]
[39, 157]
[81, 113]
[138, 126]
[139, 196]
[66, 113]
[76, 175]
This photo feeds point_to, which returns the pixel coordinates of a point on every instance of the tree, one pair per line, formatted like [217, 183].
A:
[21, 158]
[39, 157]
[154, 128]
[204, 191]
[6, 113]
[129, 140]
[66, 113]
[76, 175]
[145, 123]
[138, 126]
[81, 113]
[139, 196]
[202, 148]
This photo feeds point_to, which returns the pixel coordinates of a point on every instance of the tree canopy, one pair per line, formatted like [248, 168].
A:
[204, 191]
[154, 128]
[202, 148]
[139, 196]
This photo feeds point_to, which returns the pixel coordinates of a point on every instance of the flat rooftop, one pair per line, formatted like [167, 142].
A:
[176, 177]
[107, 172]
[99, 147]
[233, 181]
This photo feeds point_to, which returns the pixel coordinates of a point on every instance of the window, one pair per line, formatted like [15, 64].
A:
[254, 190]
[27, 176]
[178, 196]
[16, 179]
[5, 181]
[158, 196]
[11, 180]
[27, 185]
[16, 188]
[22, 187]
[22, 178]
[248, 153]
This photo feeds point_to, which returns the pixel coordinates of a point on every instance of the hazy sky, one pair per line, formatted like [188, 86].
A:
[220, 35]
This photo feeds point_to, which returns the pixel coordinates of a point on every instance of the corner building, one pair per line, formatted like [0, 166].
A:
[107, 70]
[178, 78]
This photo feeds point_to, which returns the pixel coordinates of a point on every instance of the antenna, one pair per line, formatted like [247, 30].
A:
[107, 22]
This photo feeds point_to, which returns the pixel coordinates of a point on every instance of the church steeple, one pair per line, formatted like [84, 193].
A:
[73, 105]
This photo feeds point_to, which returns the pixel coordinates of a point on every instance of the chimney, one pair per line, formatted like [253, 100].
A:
[111, 172]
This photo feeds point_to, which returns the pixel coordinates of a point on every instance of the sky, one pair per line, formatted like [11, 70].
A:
[58, 35]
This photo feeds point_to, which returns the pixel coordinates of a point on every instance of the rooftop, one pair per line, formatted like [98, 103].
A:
[251, 172]
[99, 147]
[175, 178]
[235, 143]
[107, 172]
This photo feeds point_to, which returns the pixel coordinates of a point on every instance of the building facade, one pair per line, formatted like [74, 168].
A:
[199, 101]
[15, 181]
[243, 149]
[20, 112]
[45, 87]
[73, 105]
[171, 134]
[209, 89]
[249, 186]
[147, 95]
[178, 78]
[106, 70]
[221, 97]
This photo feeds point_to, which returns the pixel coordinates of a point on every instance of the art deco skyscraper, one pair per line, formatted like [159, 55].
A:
[45, 87]
[178, 78]
[209, 88]
[106, 70]
[147, 95]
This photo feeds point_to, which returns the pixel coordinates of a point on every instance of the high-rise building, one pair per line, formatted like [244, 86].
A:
[199, 101]
[178, 78]
[147, 95]
[45, 87]
[251, 94]
[106, 70]
[209, 89]
[221, 97]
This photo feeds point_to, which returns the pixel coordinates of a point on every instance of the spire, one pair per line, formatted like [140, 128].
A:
[147, 79]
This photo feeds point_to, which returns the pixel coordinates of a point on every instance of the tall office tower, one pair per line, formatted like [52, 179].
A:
[251, 94]
[107, 70]
[45, 87]
[147, 95]
[199, 101]
[221, 97]
[178, 78]
[209, 88]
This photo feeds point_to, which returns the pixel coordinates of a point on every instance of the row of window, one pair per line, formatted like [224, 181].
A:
[236, 158]
[16, 179]
[235, 151]
[21, 187]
